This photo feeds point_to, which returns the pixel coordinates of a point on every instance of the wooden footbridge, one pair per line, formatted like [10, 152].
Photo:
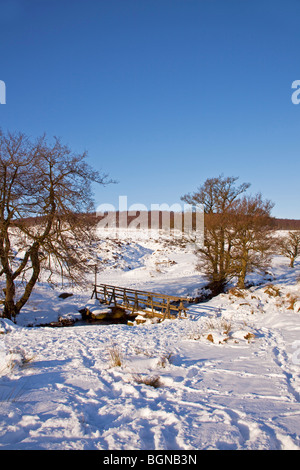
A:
[137, 301]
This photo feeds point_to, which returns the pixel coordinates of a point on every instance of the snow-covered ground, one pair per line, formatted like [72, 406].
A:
[227, 377]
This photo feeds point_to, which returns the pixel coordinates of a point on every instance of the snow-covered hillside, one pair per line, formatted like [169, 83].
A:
[227, 377]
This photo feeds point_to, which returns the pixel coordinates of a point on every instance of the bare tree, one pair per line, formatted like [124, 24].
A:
[236, 231]
[290, 246]
[215, 256]
[45, 194]
[253, 242]
[218, 197]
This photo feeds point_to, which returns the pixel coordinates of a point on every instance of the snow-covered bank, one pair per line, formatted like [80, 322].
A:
[227, 377]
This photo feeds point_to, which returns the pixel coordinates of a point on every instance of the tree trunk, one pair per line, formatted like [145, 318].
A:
[243, 272]
[241, 281]
[34, 256]
[10, 310]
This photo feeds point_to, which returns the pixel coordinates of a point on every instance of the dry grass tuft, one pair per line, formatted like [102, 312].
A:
[164, 360]
[115, 356]
[152, 381]
[249, 337]
[237, 292]
[291, 299]
[226, 326]
[210, 338]
[272, 291]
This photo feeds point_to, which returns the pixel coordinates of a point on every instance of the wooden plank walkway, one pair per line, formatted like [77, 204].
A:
[152, 304]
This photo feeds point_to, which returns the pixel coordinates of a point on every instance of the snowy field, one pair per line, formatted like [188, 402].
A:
[227, 377]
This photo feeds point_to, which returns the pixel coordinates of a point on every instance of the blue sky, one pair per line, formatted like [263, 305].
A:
[161, 93]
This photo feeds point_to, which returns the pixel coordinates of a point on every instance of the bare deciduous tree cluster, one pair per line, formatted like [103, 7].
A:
[237, 231]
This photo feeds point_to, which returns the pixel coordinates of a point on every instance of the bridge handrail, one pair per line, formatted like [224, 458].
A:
[132, 298]
[154, 294]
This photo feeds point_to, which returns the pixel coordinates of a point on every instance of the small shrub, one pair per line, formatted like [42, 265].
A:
[237, 292]
[291, 301]
[210, 338]
[210, 325]
[226, 327]
[16, 359]
[194, 333]
[152, 381]
[249, 337]
[115, 356]
[164, 360]
[19, 358]
[272, 291]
